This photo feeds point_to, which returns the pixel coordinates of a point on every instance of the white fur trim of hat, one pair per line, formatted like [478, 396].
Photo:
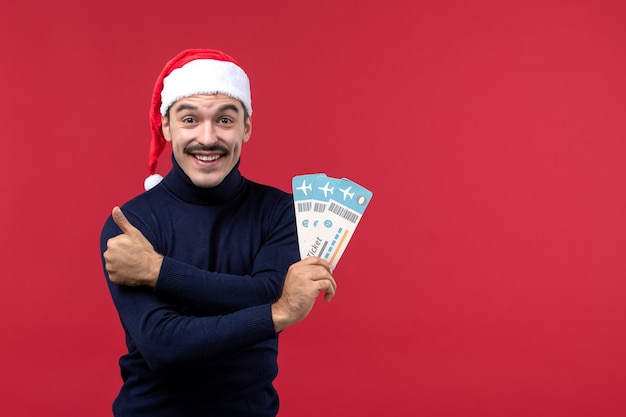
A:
[206, 76]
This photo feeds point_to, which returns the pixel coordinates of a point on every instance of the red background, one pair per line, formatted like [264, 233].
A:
[487, 276]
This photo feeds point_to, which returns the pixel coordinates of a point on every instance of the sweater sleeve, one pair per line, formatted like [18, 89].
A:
[221, 291]
[170, 340]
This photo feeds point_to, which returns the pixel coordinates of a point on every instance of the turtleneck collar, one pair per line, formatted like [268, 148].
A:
[179, 184]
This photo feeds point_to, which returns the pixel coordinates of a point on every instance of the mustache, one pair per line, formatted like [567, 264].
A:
[201, 148]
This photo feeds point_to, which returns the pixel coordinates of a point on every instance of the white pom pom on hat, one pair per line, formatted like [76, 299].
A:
[151, 181]
[192, 71]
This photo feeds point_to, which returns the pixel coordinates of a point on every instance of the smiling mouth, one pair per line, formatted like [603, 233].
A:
[207, 158]
[206, 154]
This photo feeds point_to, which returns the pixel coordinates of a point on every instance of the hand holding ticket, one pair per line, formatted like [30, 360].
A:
[328, 211]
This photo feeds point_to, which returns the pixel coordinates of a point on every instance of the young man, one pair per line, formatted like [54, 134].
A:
[203, 267]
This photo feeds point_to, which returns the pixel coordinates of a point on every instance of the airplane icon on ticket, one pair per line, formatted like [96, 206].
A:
[305, 187]
[326, 189]
[346, 193]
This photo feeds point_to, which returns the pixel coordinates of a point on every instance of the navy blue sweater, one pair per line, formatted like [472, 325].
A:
[202, 343]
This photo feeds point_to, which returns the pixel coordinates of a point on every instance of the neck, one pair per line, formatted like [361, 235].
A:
[179, 184]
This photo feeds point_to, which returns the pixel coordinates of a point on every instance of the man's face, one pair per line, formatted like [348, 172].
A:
[207, 132]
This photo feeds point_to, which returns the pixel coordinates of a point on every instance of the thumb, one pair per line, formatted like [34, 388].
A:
[120, 219]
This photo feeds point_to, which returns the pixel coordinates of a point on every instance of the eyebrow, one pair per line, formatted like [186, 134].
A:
[228, 107]
[184, 106]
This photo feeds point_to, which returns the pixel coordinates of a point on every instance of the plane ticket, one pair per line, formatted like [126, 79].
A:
[303, 201]
[328, 211]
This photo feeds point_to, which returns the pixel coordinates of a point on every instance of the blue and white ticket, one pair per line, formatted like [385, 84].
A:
[328, 211]
[303, 189]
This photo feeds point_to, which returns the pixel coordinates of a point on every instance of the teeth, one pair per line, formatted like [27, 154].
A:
[205, 158]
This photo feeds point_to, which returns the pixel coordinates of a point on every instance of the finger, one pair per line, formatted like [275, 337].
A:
[120, 219]
[330, 289]
[314, 260]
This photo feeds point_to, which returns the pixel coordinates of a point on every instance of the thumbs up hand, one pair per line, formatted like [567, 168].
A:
[130, 259]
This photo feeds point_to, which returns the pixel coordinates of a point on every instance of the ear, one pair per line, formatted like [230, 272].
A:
[165, 128]
[247, 129]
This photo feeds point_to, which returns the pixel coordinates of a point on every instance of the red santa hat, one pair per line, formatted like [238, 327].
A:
[193, 71]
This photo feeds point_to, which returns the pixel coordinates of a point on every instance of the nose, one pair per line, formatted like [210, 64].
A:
[207, 134]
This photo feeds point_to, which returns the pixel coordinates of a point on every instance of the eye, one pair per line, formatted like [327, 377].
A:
[225, 120]
[188, 120]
